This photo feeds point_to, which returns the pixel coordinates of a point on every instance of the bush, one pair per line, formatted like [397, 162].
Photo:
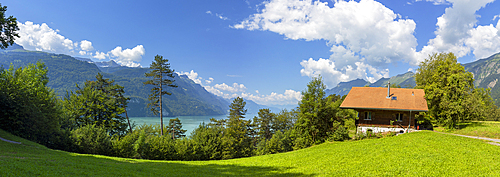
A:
[207, 142]
[92, 140]
[279, 142]
[340, 134]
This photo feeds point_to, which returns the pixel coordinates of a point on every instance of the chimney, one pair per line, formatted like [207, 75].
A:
[388, 89]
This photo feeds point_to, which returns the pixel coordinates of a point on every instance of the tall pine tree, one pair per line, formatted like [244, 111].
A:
[161, 77]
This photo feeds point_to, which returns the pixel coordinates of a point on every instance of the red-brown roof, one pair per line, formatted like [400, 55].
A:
[376, 98]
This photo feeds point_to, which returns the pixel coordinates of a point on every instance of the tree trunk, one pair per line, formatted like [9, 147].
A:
[161, 105]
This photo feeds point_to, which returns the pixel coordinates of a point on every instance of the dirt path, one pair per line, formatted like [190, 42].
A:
[493, 140]
[9, 141]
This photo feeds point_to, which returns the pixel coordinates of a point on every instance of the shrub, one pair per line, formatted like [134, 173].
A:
[92, 140]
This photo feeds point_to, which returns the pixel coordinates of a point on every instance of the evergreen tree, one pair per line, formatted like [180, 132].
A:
[236, 140]
[263, 126]
[161, 78]
[175, 128]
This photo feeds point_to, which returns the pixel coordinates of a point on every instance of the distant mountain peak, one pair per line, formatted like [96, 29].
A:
[15, 47]
[100, 64]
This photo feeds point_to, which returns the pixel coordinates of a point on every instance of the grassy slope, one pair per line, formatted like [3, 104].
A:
[490, 129]
[415, 154]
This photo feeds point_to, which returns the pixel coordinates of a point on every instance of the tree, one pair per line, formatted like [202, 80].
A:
[160, 74]
[8, 28]
[449, 91]
[28, 108]
[175, 128]
[284, 120]
[99, 103]
[263, 123]
[312, 124]
[236, 141]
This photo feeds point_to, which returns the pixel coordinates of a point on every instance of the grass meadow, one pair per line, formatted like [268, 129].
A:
[422, 153]
[489, 129]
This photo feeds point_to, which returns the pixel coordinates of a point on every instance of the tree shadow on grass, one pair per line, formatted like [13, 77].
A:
[470, 124]
[117, 166]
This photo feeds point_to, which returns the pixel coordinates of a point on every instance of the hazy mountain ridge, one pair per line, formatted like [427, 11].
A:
[65, 71]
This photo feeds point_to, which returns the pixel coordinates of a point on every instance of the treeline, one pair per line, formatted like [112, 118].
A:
[451, 95]
[92, 119]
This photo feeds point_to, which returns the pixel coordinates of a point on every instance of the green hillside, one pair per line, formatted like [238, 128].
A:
[65, 72]
[486, 74]
[416, 154]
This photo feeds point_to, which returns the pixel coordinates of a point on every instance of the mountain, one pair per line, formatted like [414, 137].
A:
[486, 74]
[344, 87]
[65, 71]
[253, 108]
[405, 80]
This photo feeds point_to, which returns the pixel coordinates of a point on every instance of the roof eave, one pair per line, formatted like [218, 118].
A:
[387, 109]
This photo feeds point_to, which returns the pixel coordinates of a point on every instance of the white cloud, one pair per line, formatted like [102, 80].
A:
[192, 75]
[456, 31]
[43, 38]
[209, 81]
[356, 51]
[221, 17]
[128, 57]
[217, 15]
[436, 2]
[86, 45]
[230, 91]
[235, 88]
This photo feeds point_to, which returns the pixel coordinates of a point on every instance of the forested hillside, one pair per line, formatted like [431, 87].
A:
[65, 72]
[486, 74]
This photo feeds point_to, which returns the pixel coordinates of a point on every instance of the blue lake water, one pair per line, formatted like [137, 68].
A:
[189, 123]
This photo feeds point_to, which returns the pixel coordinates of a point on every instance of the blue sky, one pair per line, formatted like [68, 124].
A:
[266, 51]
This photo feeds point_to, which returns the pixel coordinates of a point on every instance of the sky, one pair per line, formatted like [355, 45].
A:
[265, 51]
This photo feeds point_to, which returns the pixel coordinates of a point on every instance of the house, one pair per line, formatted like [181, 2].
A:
[385, 109]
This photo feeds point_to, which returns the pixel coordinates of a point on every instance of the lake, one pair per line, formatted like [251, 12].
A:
[189, 123]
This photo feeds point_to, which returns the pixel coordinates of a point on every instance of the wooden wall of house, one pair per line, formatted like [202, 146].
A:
[384, 117]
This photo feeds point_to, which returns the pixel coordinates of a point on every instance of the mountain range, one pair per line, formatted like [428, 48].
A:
[65, 72]
[192, 99]
[486, 75]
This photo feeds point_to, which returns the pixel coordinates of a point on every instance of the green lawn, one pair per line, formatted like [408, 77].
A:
[489, 129]
[416, 154]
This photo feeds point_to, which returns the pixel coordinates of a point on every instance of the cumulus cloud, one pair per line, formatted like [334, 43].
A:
[456, 32]
[239, 90]
[128, 57]
[235, 88]
[86, 45]
[366, 36]
[356, 51]
[43, 38]
[192, 75]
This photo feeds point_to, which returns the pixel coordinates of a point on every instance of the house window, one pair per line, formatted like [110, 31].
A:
[399, 117]
[368, 115]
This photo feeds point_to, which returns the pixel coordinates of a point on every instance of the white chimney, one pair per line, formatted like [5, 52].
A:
[388, 89]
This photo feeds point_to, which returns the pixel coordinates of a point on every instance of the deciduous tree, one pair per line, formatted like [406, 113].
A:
[8, 28]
